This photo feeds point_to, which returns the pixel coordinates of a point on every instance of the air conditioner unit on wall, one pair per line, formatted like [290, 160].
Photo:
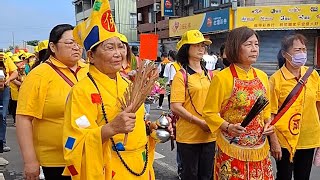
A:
[156, 7]
[150, 17]
[139, 17]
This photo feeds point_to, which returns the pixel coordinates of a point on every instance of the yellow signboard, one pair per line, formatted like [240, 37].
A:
[304, 16]
[178, 26]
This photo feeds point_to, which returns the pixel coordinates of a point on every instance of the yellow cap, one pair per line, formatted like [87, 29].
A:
[192, 37]
[9, 54]
[36, 49]
[98, 27]
[43, 45]
[28, 55]
[21, 51]
[15, 59]
[123, 38]
[23, 55]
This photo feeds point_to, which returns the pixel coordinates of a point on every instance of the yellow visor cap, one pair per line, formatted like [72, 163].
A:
[43, 45]
[192, 37]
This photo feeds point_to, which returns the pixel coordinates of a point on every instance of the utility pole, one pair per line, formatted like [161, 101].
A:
[155, 16]
[118, 9]
[234, 9]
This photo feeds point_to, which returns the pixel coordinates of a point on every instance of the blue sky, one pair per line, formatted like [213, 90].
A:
[32, 19]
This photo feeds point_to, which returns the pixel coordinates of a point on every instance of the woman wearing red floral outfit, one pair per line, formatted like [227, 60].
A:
[232, 93]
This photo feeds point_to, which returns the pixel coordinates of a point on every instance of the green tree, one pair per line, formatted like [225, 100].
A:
[11, 48]
[33, 42]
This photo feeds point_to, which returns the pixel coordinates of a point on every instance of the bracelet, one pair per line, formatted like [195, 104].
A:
[228, 127]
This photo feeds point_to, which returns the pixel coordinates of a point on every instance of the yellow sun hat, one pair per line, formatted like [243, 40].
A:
[97, 28]
[28, 55]
[9, 53]
[43, 45]
[23, 55]
[16, 59]
[21, 51]
[36, 50]
[123, 38]
[192, 37]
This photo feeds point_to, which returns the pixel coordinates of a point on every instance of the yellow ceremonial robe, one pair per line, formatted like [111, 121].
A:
[86, 157]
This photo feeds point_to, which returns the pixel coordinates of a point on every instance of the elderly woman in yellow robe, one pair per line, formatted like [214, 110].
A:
[95, 125]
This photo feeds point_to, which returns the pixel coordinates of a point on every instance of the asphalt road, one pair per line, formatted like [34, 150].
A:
[164, 165]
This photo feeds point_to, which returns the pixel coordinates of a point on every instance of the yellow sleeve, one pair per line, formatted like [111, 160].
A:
[318, 91]
[274, 95]
[10, 66]
[178, 89]
[32, 96]
[82, 139]
[213, 104]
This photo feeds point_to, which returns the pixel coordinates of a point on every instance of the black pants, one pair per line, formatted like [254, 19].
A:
[161, 97]
[13, 109]
[169, 100]
[301, 165]
[54, 173]
[197, 160]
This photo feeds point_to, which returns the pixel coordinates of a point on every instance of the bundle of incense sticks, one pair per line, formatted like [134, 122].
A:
[258, 106]
[137, 91]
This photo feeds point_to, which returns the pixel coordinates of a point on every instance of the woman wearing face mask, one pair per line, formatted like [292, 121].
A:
[298, 129]
[222, 61]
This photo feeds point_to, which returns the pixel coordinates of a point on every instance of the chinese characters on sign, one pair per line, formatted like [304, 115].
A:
[280, 17]
[213, 21]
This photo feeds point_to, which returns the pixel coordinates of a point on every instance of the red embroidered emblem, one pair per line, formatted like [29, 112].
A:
[107, 21]
[113, 174]
[95, 98]
[72, 170]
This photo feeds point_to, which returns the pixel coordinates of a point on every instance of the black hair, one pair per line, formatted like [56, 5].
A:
[173, 54]
[158, 59]
[55, 35]
[41, 58]
[135, 50]
[164, 55]
[223, 46]
[281, 59]
[287, 41]
[183, 55]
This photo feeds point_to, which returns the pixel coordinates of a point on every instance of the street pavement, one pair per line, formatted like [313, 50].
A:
[164, 165]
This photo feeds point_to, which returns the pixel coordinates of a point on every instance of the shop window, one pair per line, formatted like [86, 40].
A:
[133, 20]
[225, 1]
[79, 8]
[208, 4]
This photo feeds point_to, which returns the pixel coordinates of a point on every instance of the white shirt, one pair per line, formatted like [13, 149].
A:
[211, 61]
[169, 72]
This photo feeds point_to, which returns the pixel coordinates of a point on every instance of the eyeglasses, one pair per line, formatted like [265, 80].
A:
[70, 43]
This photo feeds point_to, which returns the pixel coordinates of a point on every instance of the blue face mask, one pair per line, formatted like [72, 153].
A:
[298, 60]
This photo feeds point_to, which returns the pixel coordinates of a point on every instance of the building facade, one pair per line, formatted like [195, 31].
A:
[212, 19]
[124, 13]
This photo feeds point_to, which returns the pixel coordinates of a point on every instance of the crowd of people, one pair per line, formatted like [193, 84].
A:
[69, 122]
